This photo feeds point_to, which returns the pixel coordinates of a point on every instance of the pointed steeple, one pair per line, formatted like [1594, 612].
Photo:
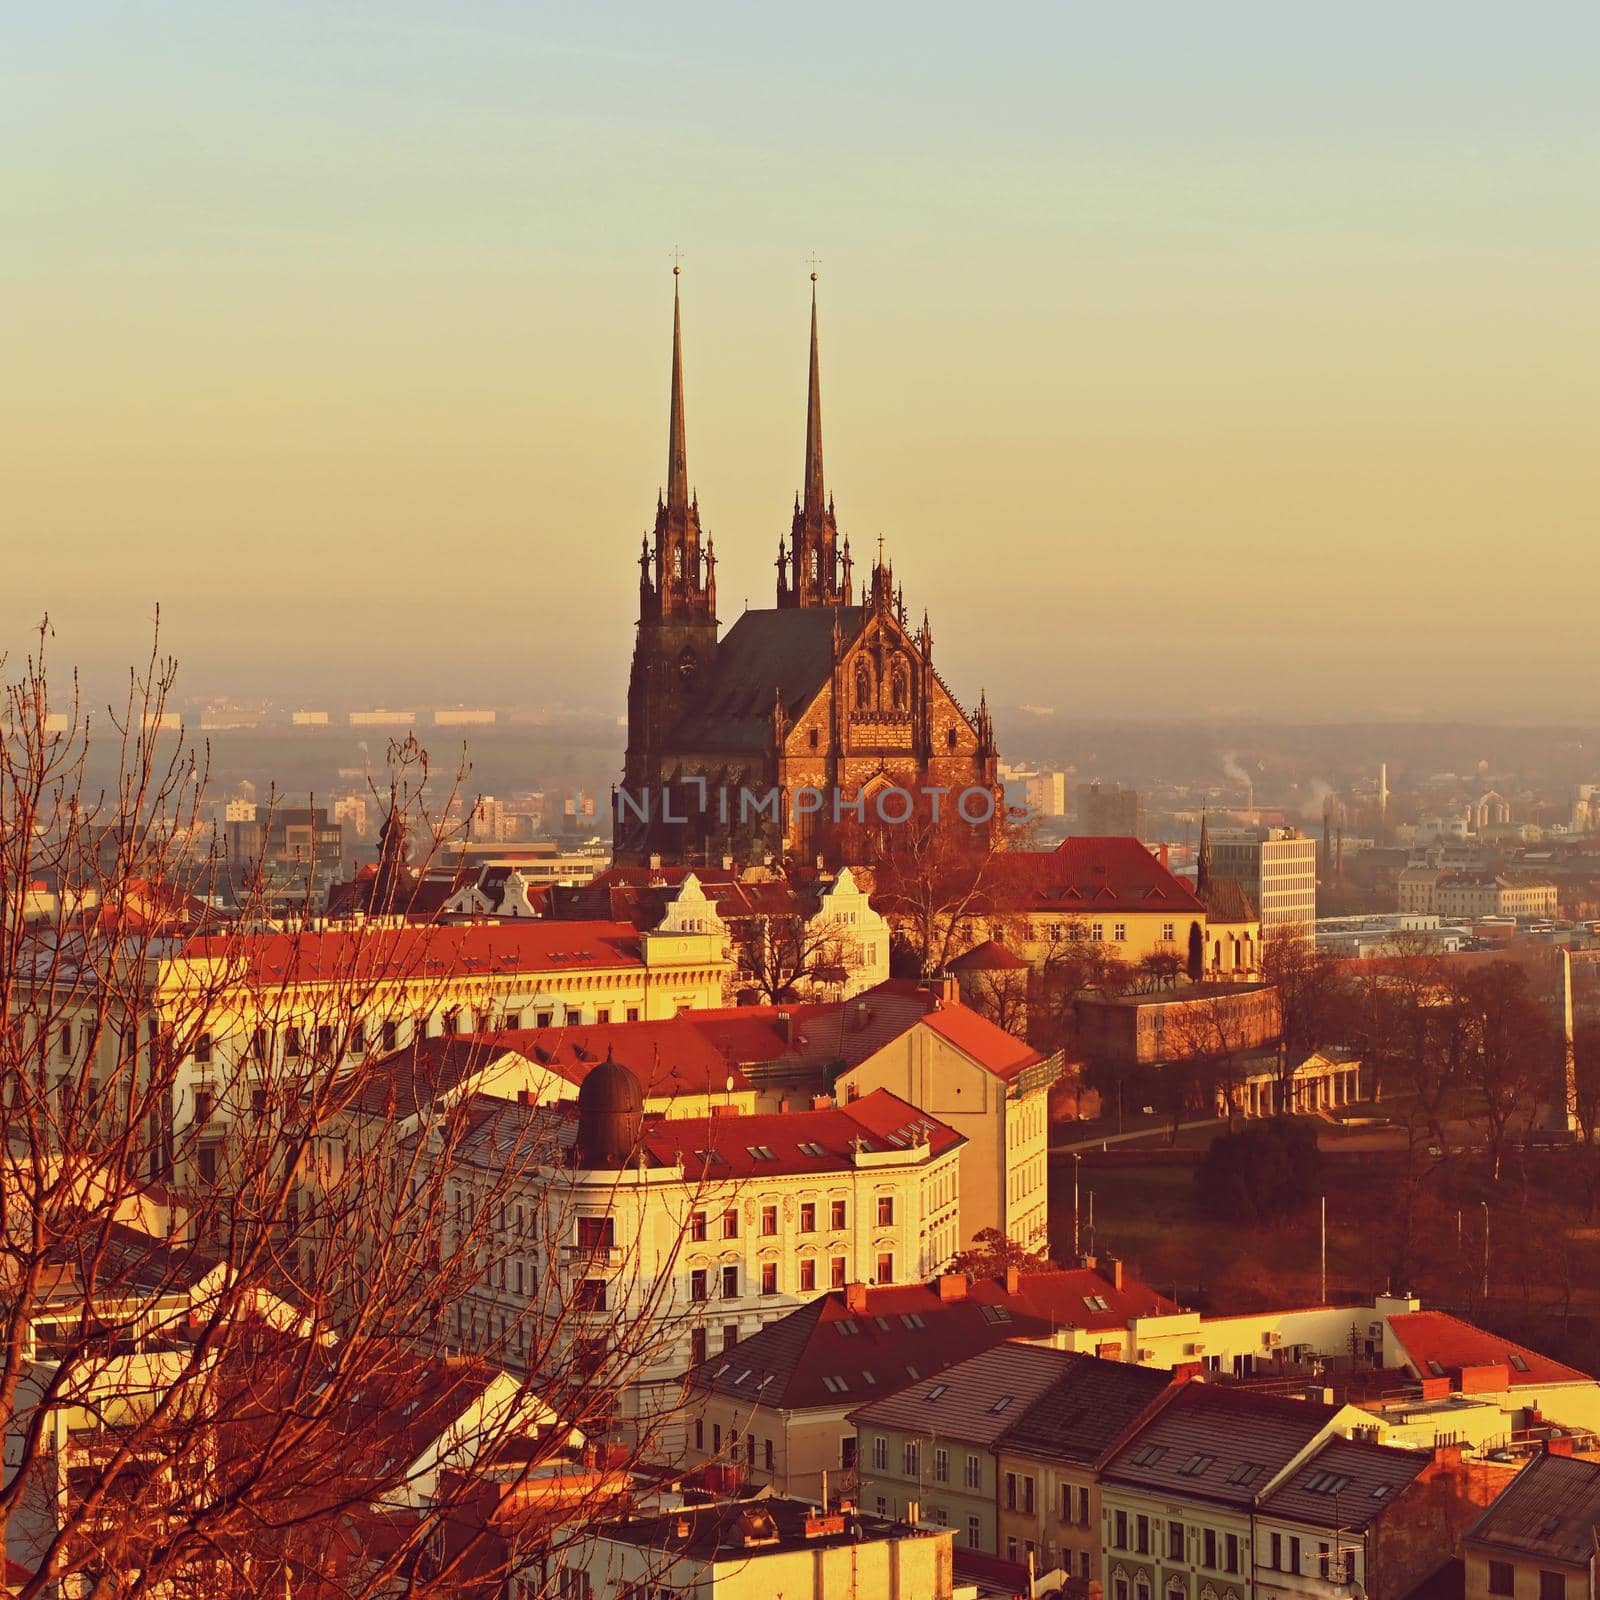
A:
[679, 580]
[815, 497]
[677, 451]
[1202, 863]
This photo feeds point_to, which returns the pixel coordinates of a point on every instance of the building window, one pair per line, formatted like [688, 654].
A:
[1552, 1586]
[633, 1013]
[391, 1036]
[730, 1223]
[1275, 1559]
[1141, 1534]
[1174, 1541]
[697, 1226]
[836, 1272]
[1011, 1493]
[202, 1048]
[974, 1478]
[697, 1284]
[808, 1276]
[769, 1277]
[808, 1216]
[697, 1352]
[1011, 1548]
[543, 1019]
[1208, 1549]
[941, 1465]
[769, 1221]
[1083, 1508]
[847, 1452]
[911, 1458]
[836, 1215]
[1167, 932]
[592, 1294]
[885, 1210]
[886, 1266]
[730, 1336]
[730, 1283]
[1294, 1553]
[1119, 1530]
[596, 1233]
[1230, 1552]
[974, 1528]
[699, 1434]
[766, 1454]
[1502, 1578]
[880, 1453]
[1119, 932]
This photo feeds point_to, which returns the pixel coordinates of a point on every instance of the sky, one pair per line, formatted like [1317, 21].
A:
[1226, 359]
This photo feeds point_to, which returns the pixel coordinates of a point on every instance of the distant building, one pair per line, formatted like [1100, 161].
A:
[462, 717]
[1429, 891]
[1277, 868]
[309, 719]
[1103, 813]
[291, 855]
[382, 719]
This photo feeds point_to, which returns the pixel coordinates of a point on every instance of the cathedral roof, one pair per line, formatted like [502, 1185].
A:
[788, 652]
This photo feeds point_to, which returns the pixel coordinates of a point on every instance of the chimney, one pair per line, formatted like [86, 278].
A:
[1013, 1280]
[655, 863]
[1111, 1270]
[727, 863]
[855, 1297]
[1166, 856]
[953, 1286]
[782, 1021]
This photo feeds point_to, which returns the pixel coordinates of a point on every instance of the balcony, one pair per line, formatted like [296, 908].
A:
[590, 1257]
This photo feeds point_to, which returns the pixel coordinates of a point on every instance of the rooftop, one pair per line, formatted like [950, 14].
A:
[1550, 1511]
[1437, 1345]
[1346, 1484]
[739, 1530]
[1218, 1444]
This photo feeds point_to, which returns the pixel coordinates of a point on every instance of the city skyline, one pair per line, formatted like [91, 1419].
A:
[344, 318]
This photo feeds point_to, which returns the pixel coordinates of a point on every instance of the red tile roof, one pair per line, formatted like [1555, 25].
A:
[669, 1057]
[420, 951]
[906, 1332]
[1086, 876]
[1432, 1339]
[796, 1141]
[990, 956]
[1002, 1053]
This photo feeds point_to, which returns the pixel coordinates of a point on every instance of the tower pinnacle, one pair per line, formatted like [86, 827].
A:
[677, 452]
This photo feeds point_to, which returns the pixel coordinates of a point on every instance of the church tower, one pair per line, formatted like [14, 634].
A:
[676, 643]
[814, 572]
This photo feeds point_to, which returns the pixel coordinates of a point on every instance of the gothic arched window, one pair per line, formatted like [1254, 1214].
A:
[677, 565]
[816, 566]
[688, 665]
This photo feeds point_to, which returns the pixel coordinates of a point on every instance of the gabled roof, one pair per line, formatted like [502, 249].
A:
[797, 1141]
[1346, 1484]
[1087, 1409]
[1550, 1511]
[418, 952]
[976, 1400]
[1221, 1445]
[991, 1047]
[990, 956]
[1437, 1345]
[898, 1334]
[1227, 901]
[669, 1057]
[784, 654]
[1088, 875]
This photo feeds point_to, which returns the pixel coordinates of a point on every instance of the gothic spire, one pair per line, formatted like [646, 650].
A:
[1202, 865]
[677, 454]
[816, 499]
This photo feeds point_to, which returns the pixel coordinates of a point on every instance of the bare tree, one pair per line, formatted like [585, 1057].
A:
[230, 1355]
[784, 954]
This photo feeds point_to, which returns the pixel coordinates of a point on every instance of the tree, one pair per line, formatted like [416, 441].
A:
[993, 1251]
[1309, 1003]
[1264, 1172]
[783, 953]
[230, 1361]
[1510, 1043]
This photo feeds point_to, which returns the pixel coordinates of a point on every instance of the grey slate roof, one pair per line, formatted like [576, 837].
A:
[789, 651]
[1346, 1484]
[1550, 1511]
[1221, 1445]
[1089, 1407]
[974, 1401]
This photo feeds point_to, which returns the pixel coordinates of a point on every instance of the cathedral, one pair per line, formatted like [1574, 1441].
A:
[769, 741]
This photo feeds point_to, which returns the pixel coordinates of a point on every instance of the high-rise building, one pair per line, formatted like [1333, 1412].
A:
[1109, 813]
[1277, 868]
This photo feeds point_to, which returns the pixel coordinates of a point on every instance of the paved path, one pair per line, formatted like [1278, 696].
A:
[1158, 1130]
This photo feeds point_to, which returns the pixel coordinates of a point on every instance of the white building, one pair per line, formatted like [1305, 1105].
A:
[694, 1232]
[1277, 868]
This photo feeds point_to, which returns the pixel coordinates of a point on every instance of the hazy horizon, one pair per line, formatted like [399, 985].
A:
[1225, 363]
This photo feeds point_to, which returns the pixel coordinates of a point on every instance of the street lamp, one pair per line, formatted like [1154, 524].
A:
[1485, 1205]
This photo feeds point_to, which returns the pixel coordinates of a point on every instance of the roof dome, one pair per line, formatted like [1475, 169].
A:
[610, 1115]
